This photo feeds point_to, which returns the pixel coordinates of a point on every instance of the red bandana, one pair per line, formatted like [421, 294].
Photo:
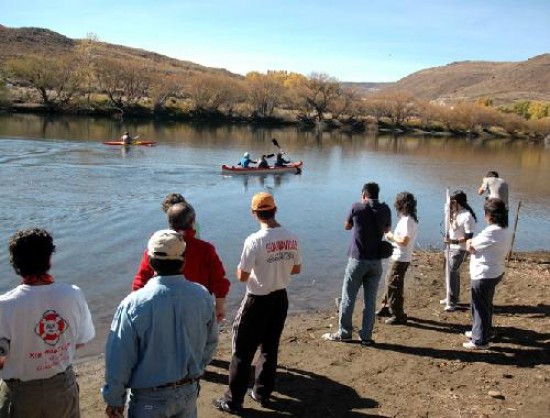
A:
[30, 280]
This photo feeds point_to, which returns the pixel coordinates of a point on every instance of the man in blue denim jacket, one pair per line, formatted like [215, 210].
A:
[161, 339]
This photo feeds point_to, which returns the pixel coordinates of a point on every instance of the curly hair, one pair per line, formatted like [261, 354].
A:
[171, 199]
[405, 204]
[30, 251]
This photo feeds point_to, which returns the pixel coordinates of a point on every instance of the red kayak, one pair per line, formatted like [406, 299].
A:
[295, 167]
[142, 143]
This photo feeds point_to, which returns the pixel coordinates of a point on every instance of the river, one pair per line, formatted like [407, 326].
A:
[102, 203]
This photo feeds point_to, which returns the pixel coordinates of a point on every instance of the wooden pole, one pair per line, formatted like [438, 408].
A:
[514, 233]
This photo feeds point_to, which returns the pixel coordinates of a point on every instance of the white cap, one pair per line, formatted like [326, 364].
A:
[246, 154]
[166, 244]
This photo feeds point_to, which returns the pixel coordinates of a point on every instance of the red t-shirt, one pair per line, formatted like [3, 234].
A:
[202, 265]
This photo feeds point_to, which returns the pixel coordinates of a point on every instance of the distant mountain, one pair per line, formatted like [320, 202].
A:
[16, 42]
[503, 82]
[468, 80]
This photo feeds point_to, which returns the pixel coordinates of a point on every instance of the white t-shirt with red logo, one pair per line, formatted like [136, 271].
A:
[269, 256]
[43, 324]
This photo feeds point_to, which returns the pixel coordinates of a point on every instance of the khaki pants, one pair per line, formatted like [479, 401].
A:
[55, 397]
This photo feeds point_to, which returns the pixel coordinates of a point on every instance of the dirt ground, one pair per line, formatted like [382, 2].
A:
[417, 370]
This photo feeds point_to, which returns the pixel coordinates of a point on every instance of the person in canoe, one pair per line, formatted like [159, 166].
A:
[280, 161]
[263, 162]
[126, 138]
[245, 161]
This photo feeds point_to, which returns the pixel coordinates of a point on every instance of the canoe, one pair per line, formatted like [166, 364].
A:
[295, 167]
[143, 143]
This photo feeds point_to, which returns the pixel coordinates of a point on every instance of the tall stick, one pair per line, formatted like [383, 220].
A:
[447, 211]
[514, 232]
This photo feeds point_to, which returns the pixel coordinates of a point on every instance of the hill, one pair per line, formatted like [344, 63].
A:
[16, 42]
[503, 82]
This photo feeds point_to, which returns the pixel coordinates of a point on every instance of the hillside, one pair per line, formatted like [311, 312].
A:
[16, 42]
[501, 81]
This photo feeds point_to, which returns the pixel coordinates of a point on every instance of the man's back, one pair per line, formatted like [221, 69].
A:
[38, 319]
[370, 220]
[497, 187]
[174, 328]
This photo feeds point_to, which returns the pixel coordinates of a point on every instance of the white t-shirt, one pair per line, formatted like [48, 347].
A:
[496, 187]
[406, 227]
[491, 246]
[464, 223]
[269, 256]
[43, 325]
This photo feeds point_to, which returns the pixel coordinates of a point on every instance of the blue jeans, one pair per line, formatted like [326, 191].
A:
[179, 402]
[366, 273]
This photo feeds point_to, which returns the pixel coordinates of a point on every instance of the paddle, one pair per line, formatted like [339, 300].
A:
[274, 141]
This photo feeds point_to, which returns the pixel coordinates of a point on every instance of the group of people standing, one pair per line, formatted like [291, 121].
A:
[162, 335]
[165, 332]
[370, 223]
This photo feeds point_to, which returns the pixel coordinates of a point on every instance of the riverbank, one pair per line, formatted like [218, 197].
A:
[418, 370]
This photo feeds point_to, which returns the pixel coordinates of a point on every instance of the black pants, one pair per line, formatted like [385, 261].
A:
[259, 323]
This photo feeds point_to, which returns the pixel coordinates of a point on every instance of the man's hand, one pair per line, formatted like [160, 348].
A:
[114, 411]
[220, 309]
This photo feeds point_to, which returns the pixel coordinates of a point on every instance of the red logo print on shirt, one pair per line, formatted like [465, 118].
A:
[51, 327]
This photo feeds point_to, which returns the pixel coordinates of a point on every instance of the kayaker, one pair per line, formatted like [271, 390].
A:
[245, 161]
[280, 161]
[126, 138]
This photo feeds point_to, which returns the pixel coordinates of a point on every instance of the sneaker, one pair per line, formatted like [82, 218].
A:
[443, 302]
[335, 336]
[396, 321]
[450, 308]
[470, 345]
[383, 312]
[257, 398]
[367, 343]
[222, 405]
[492, 335]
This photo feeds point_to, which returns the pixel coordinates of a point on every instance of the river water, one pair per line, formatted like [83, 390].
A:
[102, 203]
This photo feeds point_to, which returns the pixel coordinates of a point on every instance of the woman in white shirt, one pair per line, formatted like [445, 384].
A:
[461, 228]
[403, 239]
[488, 251]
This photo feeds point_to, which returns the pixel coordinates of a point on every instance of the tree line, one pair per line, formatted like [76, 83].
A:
[89, 82]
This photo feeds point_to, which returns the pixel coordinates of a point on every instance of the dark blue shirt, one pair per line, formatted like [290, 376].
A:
[369, 222]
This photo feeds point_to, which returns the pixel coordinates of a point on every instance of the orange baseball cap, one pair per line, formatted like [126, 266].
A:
[263, 201]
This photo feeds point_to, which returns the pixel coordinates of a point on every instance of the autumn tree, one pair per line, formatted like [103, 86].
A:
[85, 57]
[265, 91]
[164, 86]
[317, 94]
[123, 82]
[210, 92]
[56, 79]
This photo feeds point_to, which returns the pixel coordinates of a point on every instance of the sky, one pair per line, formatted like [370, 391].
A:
[350, 40]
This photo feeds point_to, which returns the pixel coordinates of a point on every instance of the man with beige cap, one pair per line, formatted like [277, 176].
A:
[162, 337]
[270, 256]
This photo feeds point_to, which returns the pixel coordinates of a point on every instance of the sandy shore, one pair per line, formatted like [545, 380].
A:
[418, 370]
